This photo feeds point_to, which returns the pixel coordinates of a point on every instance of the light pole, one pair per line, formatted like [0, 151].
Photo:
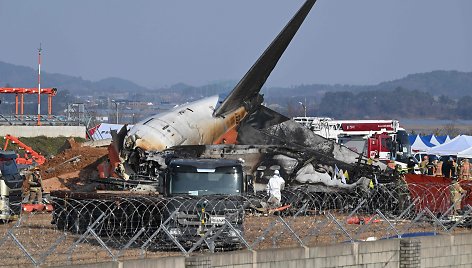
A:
[304, 107]
[116, 109]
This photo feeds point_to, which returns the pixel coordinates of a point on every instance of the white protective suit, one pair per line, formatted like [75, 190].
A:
[275, 185]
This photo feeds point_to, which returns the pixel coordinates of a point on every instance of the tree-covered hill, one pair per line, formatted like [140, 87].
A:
[436, 94]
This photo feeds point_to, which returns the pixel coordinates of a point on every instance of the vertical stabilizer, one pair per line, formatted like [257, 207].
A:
[250, 85]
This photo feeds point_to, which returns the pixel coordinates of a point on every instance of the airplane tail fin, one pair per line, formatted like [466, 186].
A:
[249, 86]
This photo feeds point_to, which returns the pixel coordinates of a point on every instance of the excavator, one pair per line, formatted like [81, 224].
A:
[30, 156]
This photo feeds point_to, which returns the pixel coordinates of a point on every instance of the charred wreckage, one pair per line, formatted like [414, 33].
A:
[183, 154]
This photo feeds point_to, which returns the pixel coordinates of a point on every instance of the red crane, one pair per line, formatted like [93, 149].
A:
[20, 91]
[30, 155]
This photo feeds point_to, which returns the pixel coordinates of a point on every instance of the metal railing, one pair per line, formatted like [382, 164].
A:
[32, 120]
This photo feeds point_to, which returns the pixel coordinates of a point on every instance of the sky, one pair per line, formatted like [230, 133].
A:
[158, 43]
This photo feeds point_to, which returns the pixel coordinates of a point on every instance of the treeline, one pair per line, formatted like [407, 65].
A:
[397, 103]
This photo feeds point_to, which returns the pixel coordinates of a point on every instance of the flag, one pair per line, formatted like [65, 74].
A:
[343, 178]
[335, 173]
[346, 175]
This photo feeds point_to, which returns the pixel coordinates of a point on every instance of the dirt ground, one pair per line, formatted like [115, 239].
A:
[38, 235]
[72, 168]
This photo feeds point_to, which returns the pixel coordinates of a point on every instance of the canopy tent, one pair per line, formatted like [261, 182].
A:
[412, 138]
[456, 145]
[432, 139]
[442, 139]
[467, 153]
[421, 144]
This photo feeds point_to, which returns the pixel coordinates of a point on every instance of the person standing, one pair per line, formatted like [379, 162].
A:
[456, 195]
[424, 165]
[431, 167]
[438, 164]
[411, 165]
[453, 168]
[35, 185]
[274, 186]
[447, 168]
[465, 169]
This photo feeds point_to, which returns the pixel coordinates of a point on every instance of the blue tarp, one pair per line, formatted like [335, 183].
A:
[441, 139]
[426, 141]
[412, 138]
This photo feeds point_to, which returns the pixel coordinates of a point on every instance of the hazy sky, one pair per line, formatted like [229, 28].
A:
[157, 43]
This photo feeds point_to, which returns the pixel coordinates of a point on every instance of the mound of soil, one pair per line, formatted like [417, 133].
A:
[72, 167]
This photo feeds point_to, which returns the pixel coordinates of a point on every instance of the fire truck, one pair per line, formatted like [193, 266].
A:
[382, 139]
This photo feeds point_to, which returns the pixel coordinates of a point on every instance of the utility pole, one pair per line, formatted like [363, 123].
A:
[116, 110]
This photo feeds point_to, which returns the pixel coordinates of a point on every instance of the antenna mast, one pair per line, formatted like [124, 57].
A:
[39, 85]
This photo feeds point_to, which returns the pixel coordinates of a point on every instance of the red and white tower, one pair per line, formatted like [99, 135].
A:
[39, 85]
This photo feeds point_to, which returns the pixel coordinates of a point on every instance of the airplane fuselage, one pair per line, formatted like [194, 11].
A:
[189, 124]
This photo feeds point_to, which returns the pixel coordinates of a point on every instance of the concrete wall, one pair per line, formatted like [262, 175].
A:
[446, 251]
[433, 251]
[48, 131]
[168, 262]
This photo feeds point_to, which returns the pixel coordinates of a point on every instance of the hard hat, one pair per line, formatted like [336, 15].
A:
[36, 168]
[276, 172]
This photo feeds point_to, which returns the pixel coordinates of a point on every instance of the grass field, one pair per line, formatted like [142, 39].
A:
[42, 144]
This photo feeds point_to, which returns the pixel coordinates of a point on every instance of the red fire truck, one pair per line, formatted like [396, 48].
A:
[382, 139]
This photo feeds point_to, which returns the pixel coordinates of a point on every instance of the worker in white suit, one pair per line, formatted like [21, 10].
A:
[274, 186]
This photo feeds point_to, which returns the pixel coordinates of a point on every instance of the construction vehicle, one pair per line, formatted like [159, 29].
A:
[11, 182]
[30, 156]
[378, 139]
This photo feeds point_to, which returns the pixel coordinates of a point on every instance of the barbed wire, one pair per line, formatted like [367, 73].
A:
[112, 227]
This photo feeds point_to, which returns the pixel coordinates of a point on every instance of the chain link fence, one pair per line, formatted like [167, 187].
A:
[113, 227]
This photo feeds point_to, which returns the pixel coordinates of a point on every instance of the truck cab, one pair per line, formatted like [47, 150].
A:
[200, 177]
[11, 183]
[205, 193]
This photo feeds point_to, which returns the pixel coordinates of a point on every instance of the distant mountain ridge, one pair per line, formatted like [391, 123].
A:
[454, 84]
[21, 76]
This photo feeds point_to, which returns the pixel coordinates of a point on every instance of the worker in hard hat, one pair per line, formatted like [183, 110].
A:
[35, 183]
[274, 186]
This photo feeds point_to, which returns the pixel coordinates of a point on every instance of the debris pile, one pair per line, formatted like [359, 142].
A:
[71, 169]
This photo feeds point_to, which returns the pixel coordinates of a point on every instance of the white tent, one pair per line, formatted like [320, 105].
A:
[467, 153]
[456, 145]
[421, 144]
[434, 140]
